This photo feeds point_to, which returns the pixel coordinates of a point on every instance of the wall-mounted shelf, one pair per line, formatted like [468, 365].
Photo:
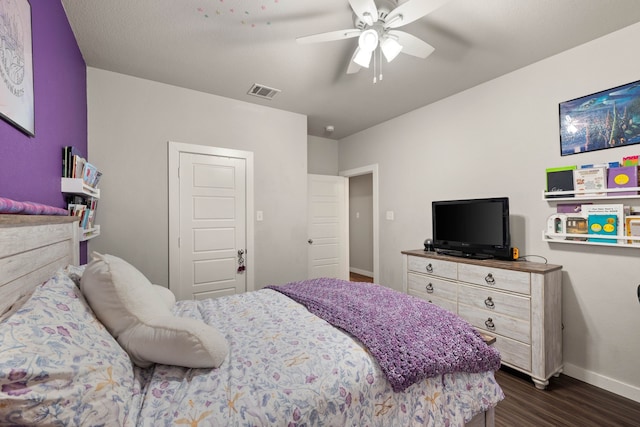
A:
[90, 233]
[589, 196]
[566, 196]
[636, 239]
[77, 186]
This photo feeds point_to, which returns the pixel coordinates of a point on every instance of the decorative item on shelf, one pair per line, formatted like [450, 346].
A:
[630, 161]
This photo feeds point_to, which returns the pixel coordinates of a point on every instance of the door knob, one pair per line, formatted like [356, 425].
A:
[310, 241]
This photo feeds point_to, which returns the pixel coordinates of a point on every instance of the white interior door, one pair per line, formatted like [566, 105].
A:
[328, 224]
[212, 226]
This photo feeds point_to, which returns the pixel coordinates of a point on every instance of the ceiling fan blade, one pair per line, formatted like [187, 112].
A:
[366, 10]
[410, 11]
[330, 36]
[411, 45]
[353, 66]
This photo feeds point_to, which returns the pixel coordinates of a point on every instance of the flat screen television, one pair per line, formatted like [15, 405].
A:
[476, 228]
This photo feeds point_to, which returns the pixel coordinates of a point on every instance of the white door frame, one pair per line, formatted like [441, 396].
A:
[175, 148]
[373, 170]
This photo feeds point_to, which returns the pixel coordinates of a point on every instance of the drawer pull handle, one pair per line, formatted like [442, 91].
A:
[489, 324]
[489, 279]
[429, 268]
[489, 303]
[429, 288]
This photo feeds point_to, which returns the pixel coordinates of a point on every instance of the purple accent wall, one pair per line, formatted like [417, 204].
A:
[30, 167]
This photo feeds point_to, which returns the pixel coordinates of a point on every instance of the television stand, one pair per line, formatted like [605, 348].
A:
[518, 303]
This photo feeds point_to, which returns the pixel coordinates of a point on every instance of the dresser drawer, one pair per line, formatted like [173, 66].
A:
[495, 323]
[493, 301]
[432, 266]
[432, 286]
[514, 353]
[508, 280]
[447, 304]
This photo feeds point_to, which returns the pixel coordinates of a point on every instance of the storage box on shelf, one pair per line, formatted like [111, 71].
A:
[589, 196]
[520, 303]
[77, 187]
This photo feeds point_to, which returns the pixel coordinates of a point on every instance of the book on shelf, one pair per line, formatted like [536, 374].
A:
[68, 153]
[606, 225]
[632, 228]
[560, 179]
[90, 173]
[630, 161]
[576, 225]
[621, 177]
[617, 210]
[77, 166]
[590, 179]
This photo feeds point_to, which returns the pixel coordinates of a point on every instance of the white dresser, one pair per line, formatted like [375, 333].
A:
[518, 302]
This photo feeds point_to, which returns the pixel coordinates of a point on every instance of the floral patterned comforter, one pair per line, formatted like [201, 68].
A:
[287, 367]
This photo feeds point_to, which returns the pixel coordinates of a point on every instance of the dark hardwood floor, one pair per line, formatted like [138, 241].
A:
[566, 402]
[355, 277]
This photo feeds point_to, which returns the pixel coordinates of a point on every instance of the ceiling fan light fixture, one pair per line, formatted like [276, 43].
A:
[390, 48]
[363, 57]
[368, 40]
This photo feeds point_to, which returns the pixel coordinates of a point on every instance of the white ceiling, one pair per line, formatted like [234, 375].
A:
[224, 46]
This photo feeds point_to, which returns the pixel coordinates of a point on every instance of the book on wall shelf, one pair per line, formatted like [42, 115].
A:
[590, 179]
[79, 182]
[560, 179]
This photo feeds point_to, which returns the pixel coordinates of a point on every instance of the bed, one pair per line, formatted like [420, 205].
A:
[283, 365]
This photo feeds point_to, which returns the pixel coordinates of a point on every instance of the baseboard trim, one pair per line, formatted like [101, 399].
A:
[614, 386]
[361, 272]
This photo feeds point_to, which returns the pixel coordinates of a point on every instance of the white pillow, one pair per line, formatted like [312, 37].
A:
[137, 316]
[167, 296]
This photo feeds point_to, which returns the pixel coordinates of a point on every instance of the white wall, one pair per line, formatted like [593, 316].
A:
[130, 122]
[496, 140]
[322, 156]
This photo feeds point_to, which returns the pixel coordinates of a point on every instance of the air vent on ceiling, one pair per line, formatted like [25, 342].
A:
[262, 91]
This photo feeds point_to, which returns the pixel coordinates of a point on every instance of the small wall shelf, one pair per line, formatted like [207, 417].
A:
[572, 196]
[547, 237]
[90, 233]
[77, 186]
[591, 196]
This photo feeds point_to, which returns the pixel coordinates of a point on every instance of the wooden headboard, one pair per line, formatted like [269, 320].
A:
[32, 248]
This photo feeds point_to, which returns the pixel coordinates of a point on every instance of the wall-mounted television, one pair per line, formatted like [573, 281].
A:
[477, 228]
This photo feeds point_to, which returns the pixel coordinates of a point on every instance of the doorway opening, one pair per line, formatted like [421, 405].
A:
[363, 222]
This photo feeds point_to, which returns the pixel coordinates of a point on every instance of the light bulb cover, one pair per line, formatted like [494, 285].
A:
[368, 40]
[363, 57]
[390, 48]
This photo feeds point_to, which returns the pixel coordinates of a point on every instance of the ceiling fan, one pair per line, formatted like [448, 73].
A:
[375, 27]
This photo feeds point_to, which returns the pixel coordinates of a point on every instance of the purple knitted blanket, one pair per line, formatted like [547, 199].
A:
[410, 338]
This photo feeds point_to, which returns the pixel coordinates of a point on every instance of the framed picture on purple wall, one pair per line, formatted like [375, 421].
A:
[606, 119]
[16, 65]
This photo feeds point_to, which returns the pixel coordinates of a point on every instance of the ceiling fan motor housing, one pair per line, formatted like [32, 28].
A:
[384, 8]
